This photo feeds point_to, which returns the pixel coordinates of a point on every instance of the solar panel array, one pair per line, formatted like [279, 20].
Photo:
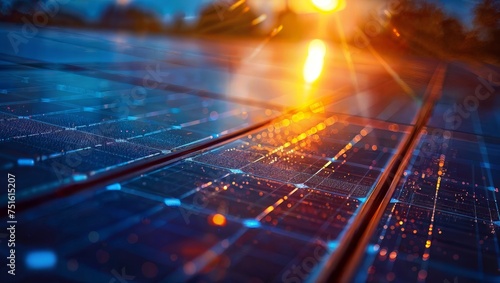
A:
[260, 189]
[443, 221]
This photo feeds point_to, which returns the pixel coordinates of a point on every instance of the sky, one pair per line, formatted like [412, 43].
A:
[462, 9]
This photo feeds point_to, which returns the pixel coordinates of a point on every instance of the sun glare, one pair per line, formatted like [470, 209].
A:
[315, 61]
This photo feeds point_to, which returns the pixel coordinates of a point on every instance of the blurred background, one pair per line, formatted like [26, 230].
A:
[444, 29]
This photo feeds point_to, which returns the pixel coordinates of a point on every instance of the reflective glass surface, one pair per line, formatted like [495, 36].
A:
[442, 223]
[232, 162]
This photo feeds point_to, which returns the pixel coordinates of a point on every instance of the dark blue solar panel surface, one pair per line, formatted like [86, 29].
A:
[271, 204]
[301, 189]
[442, 224]
[86, 126]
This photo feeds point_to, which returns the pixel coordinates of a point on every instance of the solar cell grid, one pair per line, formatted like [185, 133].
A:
[246, 184]
[269, 203]
[88, 131]
[447, 196]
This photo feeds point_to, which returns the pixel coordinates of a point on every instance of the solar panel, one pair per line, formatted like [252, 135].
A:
[231, 204]
[227, 170]
[443, 200]
[65, 130]
[443, 220]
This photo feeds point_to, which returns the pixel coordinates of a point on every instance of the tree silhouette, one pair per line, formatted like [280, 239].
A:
[487, 18]
[16, 10]
[5, 8]
[454, 34]
[178, 25]
[428, 29]
[20, 11]
[224, 17]
[129, 18]
[487, 27]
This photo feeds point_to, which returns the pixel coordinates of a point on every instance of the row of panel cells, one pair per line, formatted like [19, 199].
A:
[468, 201]
[294, 168]
[243, 196]
[146, 233]
[406, 245]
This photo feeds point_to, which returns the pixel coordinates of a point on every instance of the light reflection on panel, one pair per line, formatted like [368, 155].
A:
[470, 102]
[276, 198]
[443, 221]
[243, 69]
[63, 131]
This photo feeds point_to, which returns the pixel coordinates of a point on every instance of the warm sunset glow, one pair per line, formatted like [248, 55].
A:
[329, 5]
[123, 2]
[315, 61]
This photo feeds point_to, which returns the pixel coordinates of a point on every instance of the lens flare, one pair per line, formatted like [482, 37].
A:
[218, 219]
[315, 61]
